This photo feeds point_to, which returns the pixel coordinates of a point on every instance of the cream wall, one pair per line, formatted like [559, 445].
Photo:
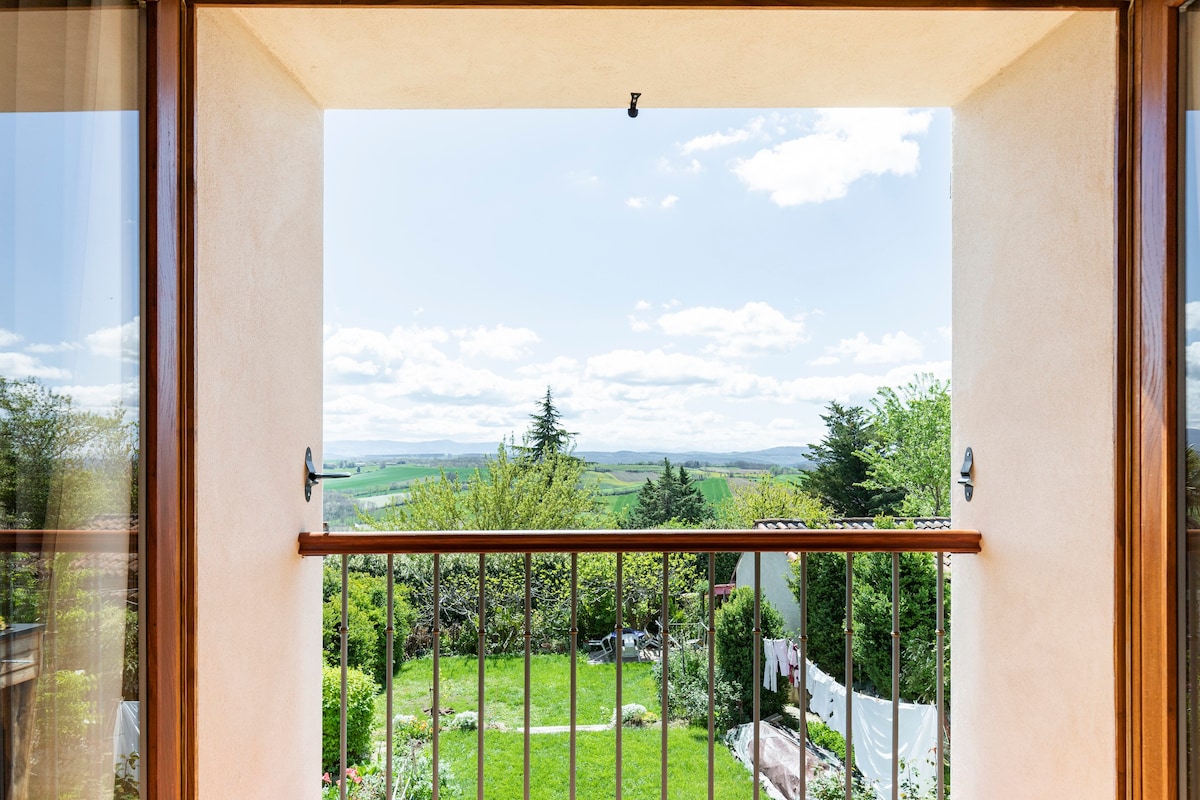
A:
[258, 404]
[1033, 320]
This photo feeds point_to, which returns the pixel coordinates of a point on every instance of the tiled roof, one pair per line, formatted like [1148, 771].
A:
[853, 524]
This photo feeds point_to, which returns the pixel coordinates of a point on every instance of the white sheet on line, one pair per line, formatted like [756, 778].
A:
[872, 739]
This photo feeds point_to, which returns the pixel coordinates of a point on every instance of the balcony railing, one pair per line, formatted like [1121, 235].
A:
[763, 539]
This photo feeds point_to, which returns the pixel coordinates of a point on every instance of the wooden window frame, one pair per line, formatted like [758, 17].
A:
[1146, 448]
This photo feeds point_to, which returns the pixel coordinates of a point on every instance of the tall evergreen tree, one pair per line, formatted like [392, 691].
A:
[674, 497]
[546, 435]
[841, 471]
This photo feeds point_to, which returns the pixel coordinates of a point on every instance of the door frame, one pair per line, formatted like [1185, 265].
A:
[1146, 451]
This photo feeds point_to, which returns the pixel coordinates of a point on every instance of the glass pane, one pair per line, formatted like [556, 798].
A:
[70, 266]
[1191, 333]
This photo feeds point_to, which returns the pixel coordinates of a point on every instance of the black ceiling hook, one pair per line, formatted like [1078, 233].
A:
[633, 109]
[966, 478]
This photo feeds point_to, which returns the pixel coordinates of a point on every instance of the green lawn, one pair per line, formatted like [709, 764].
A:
[687, 765]
[550, 700]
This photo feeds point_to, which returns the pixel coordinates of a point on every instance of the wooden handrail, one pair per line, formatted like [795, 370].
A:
[641, 541]
[69, 541]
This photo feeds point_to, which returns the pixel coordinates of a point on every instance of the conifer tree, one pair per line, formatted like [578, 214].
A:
[546, 435]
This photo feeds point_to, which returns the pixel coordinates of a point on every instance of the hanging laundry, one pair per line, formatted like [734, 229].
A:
[872, 733]
[770, 666]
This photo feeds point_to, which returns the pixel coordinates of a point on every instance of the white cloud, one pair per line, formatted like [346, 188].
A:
[641, 305]
[825, 361]
[20, 365]
[669, 201]
[102, 397]
[61, 347]
[892, 348]
[501, 342]
[756, 327]
[1191, 313]
[752, 130]
[8, 338]
[638, 325]
[653, 368]
[693, 167]
[844, 146]
[119, 341]
[635, 202]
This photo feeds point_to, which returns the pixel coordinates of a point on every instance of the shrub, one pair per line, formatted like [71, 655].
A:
[831, 785]
[636, 715]
[464, 721]
[824, 736]
[367, 617]
[687, 691]
[735, 652]
[411, 728]
[360, 712]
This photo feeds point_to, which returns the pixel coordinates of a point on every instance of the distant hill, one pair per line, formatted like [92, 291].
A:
[777, 456]
[387, 447]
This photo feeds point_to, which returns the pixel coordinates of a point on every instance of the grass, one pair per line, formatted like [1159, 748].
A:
[714, 489]
[504, 696]
[687, 765]
[380, 481]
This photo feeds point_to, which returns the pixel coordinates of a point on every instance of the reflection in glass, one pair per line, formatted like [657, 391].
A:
[69, 365]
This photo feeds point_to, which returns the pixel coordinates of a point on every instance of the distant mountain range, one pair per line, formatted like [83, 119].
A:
[375, 448]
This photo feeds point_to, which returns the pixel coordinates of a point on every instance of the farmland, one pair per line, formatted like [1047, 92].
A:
[378, 481]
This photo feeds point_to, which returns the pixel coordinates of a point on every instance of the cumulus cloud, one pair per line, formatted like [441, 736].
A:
[1191, 313]
[711, 141]
[754, 328]
[8, 338]
[890, 349]
[20, 365]
[635, 202]
[501, 342]
[653, 368]
[844, 146]
[669, 201]
[639, 325]
[118, 341]
[641, 305]
[824, 361]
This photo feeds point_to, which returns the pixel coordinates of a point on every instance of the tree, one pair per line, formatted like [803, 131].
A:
[674, 497]
[841, 472]
[735, 650]
[769, 498]
[912, 448]
[546, 436]
[505, 494]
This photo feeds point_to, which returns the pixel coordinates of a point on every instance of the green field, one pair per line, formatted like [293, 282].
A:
[373, 482]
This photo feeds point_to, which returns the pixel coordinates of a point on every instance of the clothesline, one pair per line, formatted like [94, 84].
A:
[872, 721]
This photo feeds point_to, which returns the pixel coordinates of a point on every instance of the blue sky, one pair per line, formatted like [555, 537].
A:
[69, 253]
[690, 279]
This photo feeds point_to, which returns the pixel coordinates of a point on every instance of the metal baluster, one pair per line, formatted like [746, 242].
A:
[389, 660]
[437, 671]
[664, 633]
[756, 675]
[619, 654]
[849, 674]
[574, 658]
[712, 667]
[803, 676]
[345, 632]
[528, 637]
[941, 674]
[895, 676]
[482, 653]
[619, 651]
